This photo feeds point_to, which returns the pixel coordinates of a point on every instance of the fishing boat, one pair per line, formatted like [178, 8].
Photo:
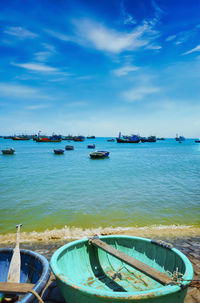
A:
[91, 137]
[53, 138]
[99, 154]
[79, 138]
[128, 139]
[69, 147]
[7, 151]
[91, 146]
[34, 274]
[179, 138]
[148, 139]
[111, 140]
[59, 151]
[21, 138]
[121, 269]
[197, 141]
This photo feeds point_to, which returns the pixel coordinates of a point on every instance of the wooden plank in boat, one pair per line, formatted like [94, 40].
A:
[144, 268]
[8, 287]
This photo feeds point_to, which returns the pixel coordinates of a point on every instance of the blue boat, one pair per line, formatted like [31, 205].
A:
[59, 151]
[35, 269]
[128, 139]
[99, 154]
[91, 146]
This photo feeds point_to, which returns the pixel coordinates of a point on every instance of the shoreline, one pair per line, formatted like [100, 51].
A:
[72, 233]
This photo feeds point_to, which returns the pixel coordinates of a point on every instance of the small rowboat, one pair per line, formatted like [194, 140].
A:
[121, 269]
[99, 154]
[59, 151]
[35, 273]
[91, 146]
[8, 151]
[69, 147]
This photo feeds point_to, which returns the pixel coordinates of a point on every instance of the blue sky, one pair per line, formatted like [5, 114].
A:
[99, 67]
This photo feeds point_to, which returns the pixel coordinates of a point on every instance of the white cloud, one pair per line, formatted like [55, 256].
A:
[20, 32]
[124, 70]
[42, 56]
[170, 38]
[21, 91]
[36, 67]
[58, 35]
[37, 106]
[195, 49]
[137, 94]
[110, 40]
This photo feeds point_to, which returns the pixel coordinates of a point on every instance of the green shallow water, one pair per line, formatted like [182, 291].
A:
[138, 185]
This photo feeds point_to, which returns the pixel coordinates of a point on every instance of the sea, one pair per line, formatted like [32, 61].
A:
[144, 186]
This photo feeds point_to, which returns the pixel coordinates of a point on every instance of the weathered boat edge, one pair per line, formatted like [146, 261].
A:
[168, 291]
[46, 271]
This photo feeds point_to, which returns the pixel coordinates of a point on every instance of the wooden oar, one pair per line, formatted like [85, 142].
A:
[14, 269]
[144, 268]
[15, 263]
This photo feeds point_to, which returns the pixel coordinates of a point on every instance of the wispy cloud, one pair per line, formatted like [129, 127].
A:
[170, 38]
[20, 32]
[21, 91]
[137, 94]
[105, 39]
[37, 106]
[36, 67]
[59, 35]
[193, 50]
[124, 70]
[127, 18]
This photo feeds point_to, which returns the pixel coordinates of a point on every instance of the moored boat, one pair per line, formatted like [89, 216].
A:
[148, 139]
[197, 141]
[20, 138]
[79, 138]
[7, 151]
[99, 154]
[128, 139]
[91, 146]
[34, 269]
[69, 147]
[123, 269]
[179, 138]
[111, 140]
[59, 151]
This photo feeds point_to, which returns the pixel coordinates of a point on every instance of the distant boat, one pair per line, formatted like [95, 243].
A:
[21, 138]
[128, 139]
[197, 141]
[111, 140]
[8, 151]
[148, 139]
[69, 137]
[161, 138]
[79, 138]
[99, 154]
[69, 147]
[179, 138]
[91, 137]
[91, 146]
[59, 151]
[54, 138]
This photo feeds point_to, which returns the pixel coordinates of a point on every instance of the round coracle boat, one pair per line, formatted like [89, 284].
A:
[121, 269]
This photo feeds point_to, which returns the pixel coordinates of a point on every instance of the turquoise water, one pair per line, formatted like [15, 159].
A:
[138, 185]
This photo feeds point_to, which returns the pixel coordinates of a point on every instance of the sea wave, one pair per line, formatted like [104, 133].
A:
[72, 233]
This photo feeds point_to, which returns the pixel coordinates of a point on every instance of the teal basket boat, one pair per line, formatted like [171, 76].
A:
[102, 270]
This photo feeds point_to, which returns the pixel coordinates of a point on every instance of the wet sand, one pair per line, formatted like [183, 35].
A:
[189, 245]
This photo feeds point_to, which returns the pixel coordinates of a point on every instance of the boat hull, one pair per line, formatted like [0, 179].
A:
[85, 274]
[34, 269]
[119, 140]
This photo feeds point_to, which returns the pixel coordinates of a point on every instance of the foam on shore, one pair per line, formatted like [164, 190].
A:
[72, 233]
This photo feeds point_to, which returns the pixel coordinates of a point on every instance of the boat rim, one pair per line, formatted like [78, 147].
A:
[156, 292]
[45, 274]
